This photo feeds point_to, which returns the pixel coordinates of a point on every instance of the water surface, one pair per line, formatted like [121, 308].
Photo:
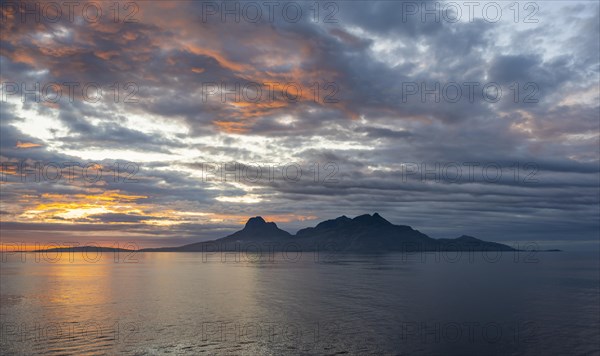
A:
[190, 303]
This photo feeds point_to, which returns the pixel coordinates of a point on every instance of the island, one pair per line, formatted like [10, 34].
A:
[362, 234]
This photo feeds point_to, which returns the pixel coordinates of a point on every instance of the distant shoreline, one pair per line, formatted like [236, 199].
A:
[162, 249]
[363, 234]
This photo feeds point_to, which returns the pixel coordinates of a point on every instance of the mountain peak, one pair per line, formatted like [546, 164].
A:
[257, 229]
[371, 219]
[256, 221]
[328, 224]
[380, 218]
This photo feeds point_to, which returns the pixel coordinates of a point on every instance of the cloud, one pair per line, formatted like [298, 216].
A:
[194, 88]
[27, 145]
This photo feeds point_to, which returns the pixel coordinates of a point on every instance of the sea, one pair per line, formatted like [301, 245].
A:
[311, 303]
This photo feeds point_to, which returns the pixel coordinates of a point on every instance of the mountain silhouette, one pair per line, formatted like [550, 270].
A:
[364, 233]
[257, 228]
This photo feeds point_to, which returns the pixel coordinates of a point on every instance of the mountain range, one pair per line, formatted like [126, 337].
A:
[363, 234]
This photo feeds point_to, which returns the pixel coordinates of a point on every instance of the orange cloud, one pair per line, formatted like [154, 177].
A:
[27, 144]
[232, 126]
[130, 36]
[63, 207]
[106, 55]
[223, 61]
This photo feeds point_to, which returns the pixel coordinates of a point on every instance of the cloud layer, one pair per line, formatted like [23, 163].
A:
[486, 125]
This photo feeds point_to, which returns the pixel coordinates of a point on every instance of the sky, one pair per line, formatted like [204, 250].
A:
[161, 123]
